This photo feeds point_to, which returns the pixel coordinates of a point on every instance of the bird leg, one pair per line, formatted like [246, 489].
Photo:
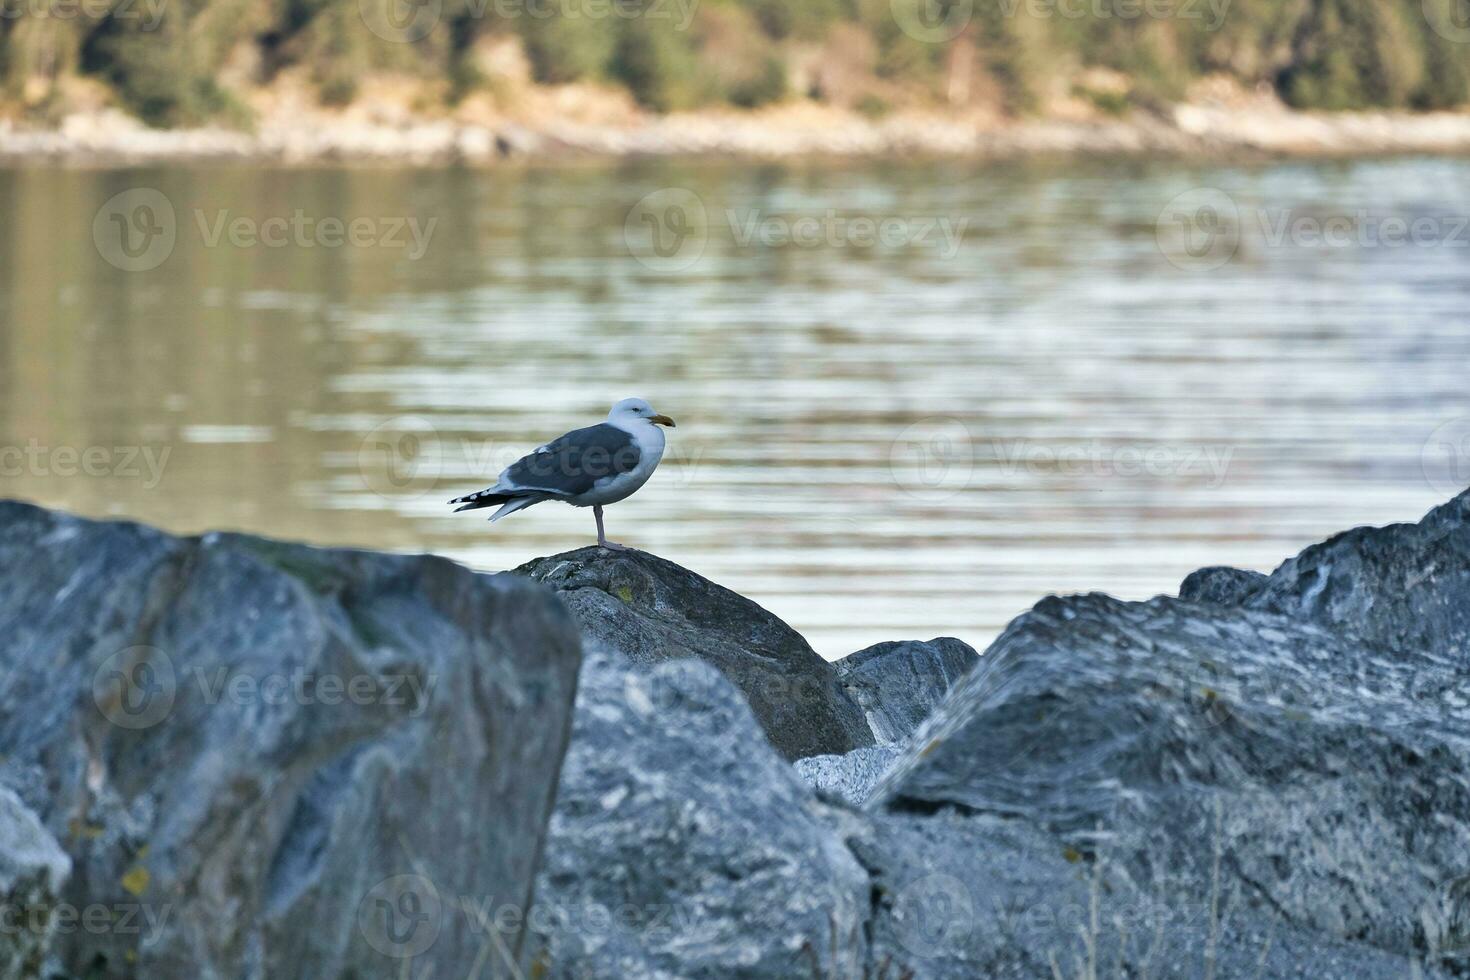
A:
[602, 541]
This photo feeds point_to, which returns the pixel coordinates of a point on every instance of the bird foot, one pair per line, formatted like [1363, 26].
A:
[612, 546]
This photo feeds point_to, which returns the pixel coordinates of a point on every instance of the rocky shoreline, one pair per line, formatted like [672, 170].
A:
[302, 137]
[604, 765]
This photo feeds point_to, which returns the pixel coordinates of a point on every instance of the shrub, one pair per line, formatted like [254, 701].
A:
[656, 63]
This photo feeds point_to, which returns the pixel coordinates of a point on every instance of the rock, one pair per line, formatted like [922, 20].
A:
[1404, 588]
[958, 897]
[1318, 768]
[33, 871]
[652, 611]
[683, 846]
[1268, 776]
[898, 683]
[1222, 585]
[850, 777]
[282, 761]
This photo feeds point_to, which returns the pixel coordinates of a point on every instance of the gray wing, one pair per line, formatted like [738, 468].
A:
[572, 465]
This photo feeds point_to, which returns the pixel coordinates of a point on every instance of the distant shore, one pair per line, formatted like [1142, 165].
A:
[109, 137]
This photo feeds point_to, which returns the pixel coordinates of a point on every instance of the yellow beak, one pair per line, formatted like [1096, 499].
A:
[662, 420]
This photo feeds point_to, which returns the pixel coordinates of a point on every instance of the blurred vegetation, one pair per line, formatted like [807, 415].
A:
[178, 62]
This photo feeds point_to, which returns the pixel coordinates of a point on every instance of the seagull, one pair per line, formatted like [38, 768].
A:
[589, 467]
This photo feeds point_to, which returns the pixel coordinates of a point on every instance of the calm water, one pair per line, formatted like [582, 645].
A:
[1022, 386]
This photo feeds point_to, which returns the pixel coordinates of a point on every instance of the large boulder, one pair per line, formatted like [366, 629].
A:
[684, 846]
[960, 896]
[1315, 763]
[33, 870]
[653, 611]
[1404, 588]
[283, 761]
[899, 682]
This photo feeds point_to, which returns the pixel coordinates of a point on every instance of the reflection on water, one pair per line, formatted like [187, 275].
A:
[883, 432]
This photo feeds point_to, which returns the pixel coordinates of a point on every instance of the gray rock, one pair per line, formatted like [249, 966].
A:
[33, 871]
[281, 761]
[958, 897]
[1222, 585]
[1329, 773]
[898, 683]
[652, 611]
[1405, 588]
[683, 846]
[850, 777]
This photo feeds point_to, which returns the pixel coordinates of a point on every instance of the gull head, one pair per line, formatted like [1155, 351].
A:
[632, 410]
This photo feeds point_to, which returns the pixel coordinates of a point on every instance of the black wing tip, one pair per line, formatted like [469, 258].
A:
[473, 501]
